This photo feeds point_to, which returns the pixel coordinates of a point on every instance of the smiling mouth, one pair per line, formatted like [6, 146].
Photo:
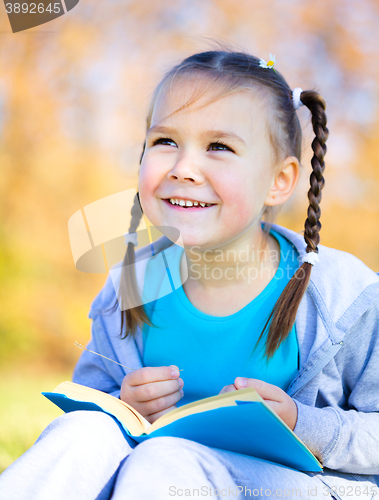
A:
[198, 206]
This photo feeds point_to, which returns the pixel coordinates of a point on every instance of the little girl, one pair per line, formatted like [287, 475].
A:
[243, 302]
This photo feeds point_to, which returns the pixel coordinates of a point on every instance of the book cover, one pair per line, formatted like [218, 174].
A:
[238, 421]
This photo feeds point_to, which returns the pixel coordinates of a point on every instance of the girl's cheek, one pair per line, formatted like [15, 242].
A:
[148, 186]
[231, 189]
[146, 180]
[145, 190]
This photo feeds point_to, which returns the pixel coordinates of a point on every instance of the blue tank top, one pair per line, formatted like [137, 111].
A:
[214, 350]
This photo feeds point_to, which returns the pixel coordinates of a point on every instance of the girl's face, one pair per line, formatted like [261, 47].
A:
[219, 154]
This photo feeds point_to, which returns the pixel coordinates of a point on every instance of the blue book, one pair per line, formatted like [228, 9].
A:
[238, 421]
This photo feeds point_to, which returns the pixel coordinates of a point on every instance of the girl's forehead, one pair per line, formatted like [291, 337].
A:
[178, 102]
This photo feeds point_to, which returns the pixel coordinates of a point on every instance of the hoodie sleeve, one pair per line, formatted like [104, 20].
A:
[95, 371]
[92, 372]
[347, 440]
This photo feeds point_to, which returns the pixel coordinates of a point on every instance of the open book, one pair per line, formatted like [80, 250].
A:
[238, 421]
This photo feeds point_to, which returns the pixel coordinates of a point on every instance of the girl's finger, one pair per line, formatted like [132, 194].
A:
[156, 390]
[228, 388]
[265, 390]
[161, 404]
[149, 374]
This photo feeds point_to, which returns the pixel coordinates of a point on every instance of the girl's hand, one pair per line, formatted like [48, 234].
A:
[152, 390]
[278, 400]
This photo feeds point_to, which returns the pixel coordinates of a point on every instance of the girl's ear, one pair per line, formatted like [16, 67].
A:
[284, 183]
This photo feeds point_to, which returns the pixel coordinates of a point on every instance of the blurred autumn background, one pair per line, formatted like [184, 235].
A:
[73, 99]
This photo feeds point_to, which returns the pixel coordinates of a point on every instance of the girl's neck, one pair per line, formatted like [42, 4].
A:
[245, 265]
[224, 297]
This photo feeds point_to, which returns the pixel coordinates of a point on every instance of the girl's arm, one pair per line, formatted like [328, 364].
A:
[347, 440]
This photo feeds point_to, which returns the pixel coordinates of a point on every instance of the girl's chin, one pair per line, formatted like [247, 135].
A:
[195, 244]
[182, 240]
[192, 242]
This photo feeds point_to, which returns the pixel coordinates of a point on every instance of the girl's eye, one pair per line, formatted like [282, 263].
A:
[220, 146]
[162, 140]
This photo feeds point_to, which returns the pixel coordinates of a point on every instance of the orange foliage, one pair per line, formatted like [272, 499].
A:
[62, 147]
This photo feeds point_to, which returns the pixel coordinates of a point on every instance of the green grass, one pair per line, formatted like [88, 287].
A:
[24, 412]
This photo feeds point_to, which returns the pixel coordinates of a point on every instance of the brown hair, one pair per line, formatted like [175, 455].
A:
[229, 71]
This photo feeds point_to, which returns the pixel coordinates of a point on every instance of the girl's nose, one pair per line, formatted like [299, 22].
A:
[185, 169]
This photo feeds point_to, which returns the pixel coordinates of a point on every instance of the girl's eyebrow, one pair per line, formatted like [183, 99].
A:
[214, 134]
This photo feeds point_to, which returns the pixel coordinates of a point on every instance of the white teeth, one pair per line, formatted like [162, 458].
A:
[183, 203]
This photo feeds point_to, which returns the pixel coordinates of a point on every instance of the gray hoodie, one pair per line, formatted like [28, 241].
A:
[336, 389]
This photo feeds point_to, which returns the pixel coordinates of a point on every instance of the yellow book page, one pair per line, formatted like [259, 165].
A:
[206, 404]
[126, 414]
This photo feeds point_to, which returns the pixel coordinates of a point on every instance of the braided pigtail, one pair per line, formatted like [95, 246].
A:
[316, 104]
[132, 316]
[284, 312]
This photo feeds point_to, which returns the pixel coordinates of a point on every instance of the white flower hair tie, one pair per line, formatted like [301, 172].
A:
[311, 258]
[131, 238]
[269, 64]
[296, 97]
